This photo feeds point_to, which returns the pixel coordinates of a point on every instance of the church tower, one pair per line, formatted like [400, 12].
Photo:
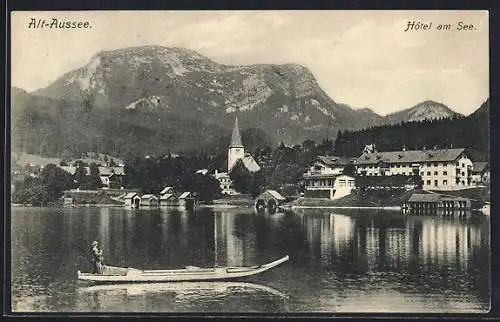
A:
[236, 150]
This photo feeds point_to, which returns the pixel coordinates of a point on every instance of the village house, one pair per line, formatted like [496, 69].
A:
[440, 169]
[330, 165]
[111, 177]
[325, 178]
[480, 173]
[226, 184]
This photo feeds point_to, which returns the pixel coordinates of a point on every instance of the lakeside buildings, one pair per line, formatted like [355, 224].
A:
[440, 169]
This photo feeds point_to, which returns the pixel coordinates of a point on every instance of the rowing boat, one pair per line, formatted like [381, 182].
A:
[113, 274]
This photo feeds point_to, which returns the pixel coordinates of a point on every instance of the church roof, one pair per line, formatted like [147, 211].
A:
[250, 163]
[236, 137]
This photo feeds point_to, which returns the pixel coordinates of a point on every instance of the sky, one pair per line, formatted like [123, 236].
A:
[363, 58]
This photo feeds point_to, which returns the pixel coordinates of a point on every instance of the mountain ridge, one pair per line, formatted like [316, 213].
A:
[178, 99]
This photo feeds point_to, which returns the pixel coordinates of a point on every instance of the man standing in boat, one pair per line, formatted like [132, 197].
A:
[97, 259]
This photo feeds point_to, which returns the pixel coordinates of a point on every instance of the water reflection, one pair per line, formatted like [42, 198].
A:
[339, 261]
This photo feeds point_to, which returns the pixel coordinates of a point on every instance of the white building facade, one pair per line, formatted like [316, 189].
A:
[326, 178]
[443, 169]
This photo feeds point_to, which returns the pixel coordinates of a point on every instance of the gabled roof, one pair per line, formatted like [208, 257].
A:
[424, 197]
[165, 190]
[275, 194]
[479, 166]
[431, 197]
[410, 156]
[236, 137]
[335, 161]
[149, 196]
[250, 163]
[130, 195]
[185, 195]
[167, 196]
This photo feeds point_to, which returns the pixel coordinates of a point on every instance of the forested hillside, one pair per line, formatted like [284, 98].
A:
[472, 132]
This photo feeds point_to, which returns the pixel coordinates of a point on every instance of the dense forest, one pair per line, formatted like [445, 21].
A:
[471, 132]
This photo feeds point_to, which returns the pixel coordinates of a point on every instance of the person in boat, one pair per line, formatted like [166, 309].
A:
[97, 259]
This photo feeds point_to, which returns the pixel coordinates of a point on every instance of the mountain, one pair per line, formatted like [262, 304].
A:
[426, 110]
[471, 132]
[283, 100]
[155, 100]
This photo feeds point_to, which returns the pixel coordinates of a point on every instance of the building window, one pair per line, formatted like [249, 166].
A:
[435, 173]
[463, 173]
[445, 173]
[435, 164]
[445, 182]
[342, 183]
[463, 165]
[428, 182]
[463, 183]
[428, 173]
[435, 183]
[422, 173]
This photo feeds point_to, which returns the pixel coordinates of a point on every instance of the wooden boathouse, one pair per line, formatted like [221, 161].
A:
[436, 204]
[270, 199]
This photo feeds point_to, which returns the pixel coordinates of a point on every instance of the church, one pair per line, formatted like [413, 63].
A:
[236, 151]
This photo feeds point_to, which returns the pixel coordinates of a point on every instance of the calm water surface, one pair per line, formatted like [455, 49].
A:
[340, 261]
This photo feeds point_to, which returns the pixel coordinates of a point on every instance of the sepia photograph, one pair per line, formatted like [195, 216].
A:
[272, 162]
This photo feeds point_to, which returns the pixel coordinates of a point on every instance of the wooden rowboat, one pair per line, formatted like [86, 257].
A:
[189, 274]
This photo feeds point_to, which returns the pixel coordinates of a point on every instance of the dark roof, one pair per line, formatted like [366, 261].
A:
[330, 160]
[410, 156]
[421, 197]
[432, 197]
[479, 166]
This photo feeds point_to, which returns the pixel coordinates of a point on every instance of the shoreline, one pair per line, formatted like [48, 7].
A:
[344, 207]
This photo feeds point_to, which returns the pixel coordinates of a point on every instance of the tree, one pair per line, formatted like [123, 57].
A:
[349, 169]
[56, 180]
[241, 177]
[205, 187]
[48, 187]
[80, 176]
[93, 181]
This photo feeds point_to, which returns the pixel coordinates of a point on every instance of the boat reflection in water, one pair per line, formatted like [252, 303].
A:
[186, 290]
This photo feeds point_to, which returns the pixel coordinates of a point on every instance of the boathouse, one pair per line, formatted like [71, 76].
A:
[187, 199]
[169, 200]
[435, 204]
[270, 199]
[132, 199]
[149, 200]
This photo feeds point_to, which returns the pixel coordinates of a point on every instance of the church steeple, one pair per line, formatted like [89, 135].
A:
[236, 137]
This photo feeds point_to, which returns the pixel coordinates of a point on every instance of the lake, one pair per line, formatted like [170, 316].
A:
[340, 261]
